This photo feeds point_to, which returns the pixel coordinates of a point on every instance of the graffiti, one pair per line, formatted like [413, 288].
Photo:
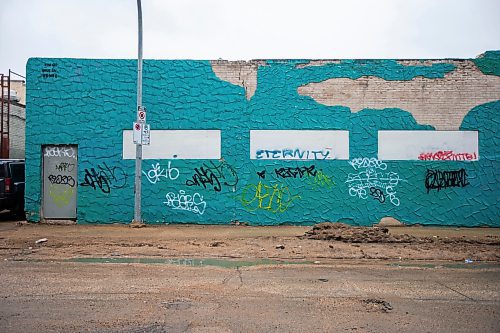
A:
[62, 180]
[363, 162]
[157, 172]
[56, 151]
[212, 174]
[64, 166]
[294, 154]
[437, 179]
[377, 194]
[262, 174]
[182, 201]
[321, 180]
[275, 198]
[447, 155]
[361, 182]
[299, 172]
[105, 178]
[61, 195]
[204, 177]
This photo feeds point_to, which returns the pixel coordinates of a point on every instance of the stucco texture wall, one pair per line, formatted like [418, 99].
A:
[90, 103]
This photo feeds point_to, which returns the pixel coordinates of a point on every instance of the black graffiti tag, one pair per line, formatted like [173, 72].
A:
[437, 179]
[204, 177]
[95, 180]
[297, 172]
[212, 175]
[377, 194]
[105, 178]
[224, 171]
[62, 180]
[64, 166]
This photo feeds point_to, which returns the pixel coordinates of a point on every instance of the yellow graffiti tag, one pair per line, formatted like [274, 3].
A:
[321, 180]
[274, 197]
[61, 195]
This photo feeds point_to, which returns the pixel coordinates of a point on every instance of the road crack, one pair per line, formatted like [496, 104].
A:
[458, 292]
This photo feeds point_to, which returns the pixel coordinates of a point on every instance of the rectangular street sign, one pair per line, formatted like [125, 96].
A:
[141, 114]
[146, 134]
[137, 133]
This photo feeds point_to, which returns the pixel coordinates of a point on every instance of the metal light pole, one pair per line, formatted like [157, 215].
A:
[138, 147]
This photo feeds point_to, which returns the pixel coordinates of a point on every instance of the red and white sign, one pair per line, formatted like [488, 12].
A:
[141, 114]
[141, 134]
[137, 133]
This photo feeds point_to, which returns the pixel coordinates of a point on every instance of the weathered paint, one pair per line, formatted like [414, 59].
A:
[91, 103]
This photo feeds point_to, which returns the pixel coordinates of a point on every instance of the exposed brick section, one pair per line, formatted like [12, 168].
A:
[313, 63]
[442, 103]
[240, 73]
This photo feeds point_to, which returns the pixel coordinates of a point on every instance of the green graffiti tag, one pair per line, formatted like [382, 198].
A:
[275, 198]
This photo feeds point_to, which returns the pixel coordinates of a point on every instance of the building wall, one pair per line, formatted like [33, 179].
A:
[19, 86]
[274, 141]
[17, 129]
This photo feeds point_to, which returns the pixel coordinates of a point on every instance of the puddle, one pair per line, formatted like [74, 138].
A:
[475, 265]
[187, 262]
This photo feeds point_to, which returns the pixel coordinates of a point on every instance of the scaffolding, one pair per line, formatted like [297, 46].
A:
[5, 112]
[5, 116]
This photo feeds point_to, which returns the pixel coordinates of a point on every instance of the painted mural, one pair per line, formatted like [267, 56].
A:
[273, 142]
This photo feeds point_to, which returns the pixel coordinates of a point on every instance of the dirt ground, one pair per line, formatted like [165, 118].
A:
[192, 278]
[18, 241]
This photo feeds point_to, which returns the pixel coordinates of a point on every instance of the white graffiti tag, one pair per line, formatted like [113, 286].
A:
[181, 201]
[364, 162]
[59, 151]
[156, 172]
[380, 185]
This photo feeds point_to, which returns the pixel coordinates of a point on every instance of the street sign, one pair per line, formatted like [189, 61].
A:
[137, 130]
[141, 134]
[141, 114]
[146, 134]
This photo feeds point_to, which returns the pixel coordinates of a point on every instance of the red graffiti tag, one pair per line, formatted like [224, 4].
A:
[447, 155]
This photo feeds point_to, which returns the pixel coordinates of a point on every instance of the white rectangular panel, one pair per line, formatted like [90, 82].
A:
[176, 144]
[428, 145]
[299, 145]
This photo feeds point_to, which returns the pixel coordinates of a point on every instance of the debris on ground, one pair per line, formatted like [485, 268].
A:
[216, 244]
[280, 246]
[41, 240]
[377, 305]
[390, 222]
[236, 222]
[349, 234]
[336, 231]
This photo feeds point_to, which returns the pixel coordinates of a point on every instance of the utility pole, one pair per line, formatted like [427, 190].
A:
[138, 147]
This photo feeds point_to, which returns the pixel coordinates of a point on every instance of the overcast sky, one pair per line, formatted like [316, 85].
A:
[256, 29]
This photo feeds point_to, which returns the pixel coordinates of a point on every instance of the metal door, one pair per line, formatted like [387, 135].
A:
[60, 181]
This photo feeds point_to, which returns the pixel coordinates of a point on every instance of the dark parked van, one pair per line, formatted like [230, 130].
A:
[12, 186]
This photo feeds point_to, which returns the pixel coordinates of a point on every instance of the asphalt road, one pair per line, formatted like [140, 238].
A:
[348, 296]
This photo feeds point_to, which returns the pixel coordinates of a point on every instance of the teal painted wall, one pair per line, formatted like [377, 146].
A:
[91, 102]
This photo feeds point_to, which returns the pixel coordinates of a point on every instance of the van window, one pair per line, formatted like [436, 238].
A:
[17, 172]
